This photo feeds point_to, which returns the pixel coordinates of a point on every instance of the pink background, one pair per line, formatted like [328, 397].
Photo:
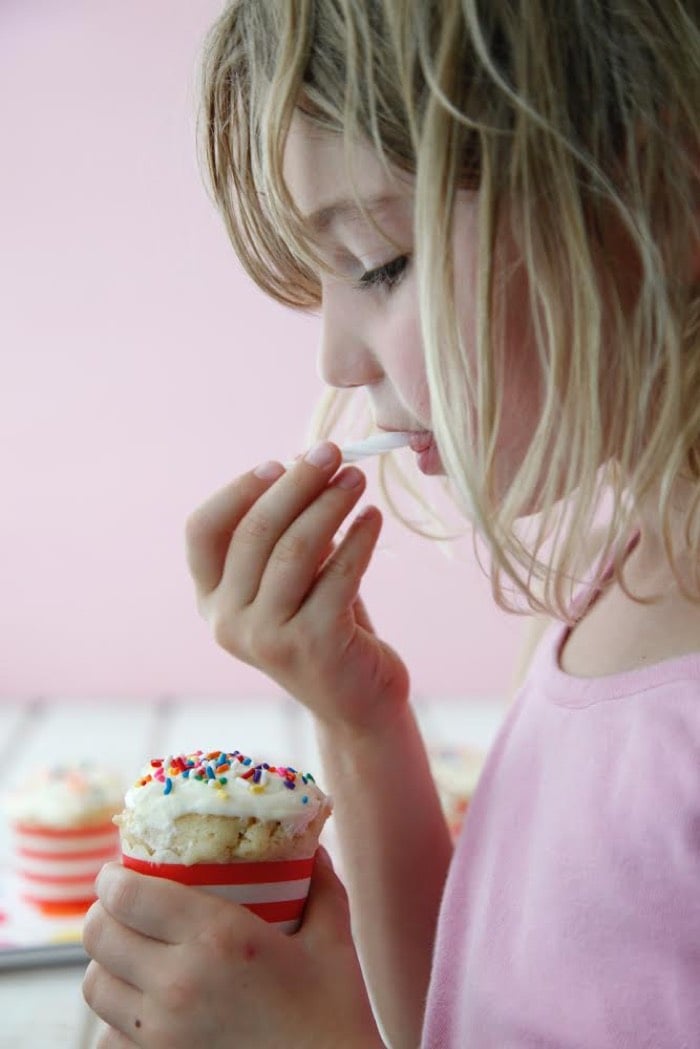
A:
[141, 370]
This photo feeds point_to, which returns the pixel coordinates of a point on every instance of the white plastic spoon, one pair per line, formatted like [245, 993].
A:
[374, 445]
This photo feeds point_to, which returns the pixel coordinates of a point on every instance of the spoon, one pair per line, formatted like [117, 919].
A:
[377, 444]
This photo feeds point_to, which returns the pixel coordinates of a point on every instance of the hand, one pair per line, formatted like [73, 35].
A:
[174, 967]
[281, 596]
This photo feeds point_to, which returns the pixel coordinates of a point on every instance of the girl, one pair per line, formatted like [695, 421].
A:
[494, 205]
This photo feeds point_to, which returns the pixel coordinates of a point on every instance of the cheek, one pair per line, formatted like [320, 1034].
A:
[515, 336]
[465, 250]
[521, 380]
[403, 360]
[512, 337]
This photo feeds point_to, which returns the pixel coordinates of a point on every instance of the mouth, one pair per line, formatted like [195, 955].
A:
[422, 442]
[420, 439]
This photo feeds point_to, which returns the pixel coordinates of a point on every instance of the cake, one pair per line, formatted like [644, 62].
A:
[61, 817]
[227, 823]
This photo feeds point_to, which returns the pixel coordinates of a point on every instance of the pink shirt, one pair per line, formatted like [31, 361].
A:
[571, 913]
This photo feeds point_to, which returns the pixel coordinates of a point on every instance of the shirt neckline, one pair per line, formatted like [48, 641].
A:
[569, 690]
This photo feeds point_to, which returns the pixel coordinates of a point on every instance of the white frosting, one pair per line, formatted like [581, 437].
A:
[66, 796]
[267, 799]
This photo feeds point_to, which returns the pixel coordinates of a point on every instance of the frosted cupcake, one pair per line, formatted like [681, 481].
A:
[245, 829]
[63, 834]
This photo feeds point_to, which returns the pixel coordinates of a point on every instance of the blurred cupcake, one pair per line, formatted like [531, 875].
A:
[456, 771]
[247, 830]
[63, 833]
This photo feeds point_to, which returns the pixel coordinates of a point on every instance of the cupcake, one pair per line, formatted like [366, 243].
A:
[456, 770]
[63, 834]
[247, 830]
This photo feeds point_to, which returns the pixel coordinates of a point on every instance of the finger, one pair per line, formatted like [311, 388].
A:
[327, 910]
[362, 616]
[117, 1003]
[337, 586]
[155, 907]
[126, 954]
[261, 528]
[208, 529]
[296, 558]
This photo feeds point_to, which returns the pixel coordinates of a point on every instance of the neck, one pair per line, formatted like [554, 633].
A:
[648, 567]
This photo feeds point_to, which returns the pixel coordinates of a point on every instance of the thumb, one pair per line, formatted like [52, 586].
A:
[327, 911]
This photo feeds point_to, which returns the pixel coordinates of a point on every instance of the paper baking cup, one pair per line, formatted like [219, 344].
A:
[56, 868]
[275, 890]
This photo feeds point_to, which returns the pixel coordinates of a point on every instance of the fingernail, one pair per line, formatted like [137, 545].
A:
[349, 478]
[321, 455]
[269, 471]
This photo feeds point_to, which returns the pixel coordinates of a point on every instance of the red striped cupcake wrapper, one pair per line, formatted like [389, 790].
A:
[56, 868]
[275, 890]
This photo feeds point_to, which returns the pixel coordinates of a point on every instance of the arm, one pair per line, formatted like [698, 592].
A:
[396, 851]
[282, 596]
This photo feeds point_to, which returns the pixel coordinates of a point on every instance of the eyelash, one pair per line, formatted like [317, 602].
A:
[387, 276]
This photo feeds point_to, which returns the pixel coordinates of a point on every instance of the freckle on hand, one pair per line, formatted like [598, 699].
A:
[137, 1022]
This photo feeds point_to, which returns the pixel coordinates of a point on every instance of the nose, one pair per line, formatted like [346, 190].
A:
[345, 357]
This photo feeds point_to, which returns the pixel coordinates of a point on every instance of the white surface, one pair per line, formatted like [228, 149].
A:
[43, 1008]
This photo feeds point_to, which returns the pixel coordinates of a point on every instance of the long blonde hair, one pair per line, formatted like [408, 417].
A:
[569, 117]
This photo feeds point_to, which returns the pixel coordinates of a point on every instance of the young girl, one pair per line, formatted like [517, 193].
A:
[494, 206]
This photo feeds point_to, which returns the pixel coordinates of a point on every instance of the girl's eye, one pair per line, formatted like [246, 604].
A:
[387, 276]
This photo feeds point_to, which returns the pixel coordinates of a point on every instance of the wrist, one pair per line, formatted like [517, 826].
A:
[385, 722]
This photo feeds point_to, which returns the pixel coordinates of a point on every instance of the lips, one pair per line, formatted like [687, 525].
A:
[421, 441]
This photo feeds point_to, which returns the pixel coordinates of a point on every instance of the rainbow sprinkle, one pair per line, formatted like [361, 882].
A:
[215, 768]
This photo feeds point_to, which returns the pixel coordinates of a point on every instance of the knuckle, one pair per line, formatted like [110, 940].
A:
[254, 526]
[92, 928]
[122, 894]
[195, 529]
[269, 647]
[342, 567]
[230, 635]
[96, 992]
[222, 633]
[180, 994]
[291, 547]
[89, 984]
[220, 941]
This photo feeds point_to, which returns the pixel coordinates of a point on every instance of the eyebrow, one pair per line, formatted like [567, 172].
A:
[346, 211]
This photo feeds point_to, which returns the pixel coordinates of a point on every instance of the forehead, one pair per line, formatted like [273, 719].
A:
[315, 172]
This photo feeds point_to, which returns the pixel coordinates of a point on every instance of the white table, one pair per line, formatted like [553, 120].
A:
[43, 1008]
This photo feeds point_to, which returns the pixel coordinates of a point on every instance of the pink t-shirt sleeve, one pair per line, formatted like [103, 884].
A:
[571, 913]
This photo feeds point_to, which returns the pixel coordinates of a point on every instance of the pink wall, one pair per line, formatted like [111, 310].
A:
[141, 370]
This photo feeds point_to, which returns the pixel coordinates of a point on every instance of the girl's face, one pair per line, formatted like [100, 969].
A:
[371, 328]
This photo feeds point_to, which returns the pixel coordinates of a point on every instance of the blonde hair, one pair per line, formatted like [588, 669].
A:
[570, 118]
